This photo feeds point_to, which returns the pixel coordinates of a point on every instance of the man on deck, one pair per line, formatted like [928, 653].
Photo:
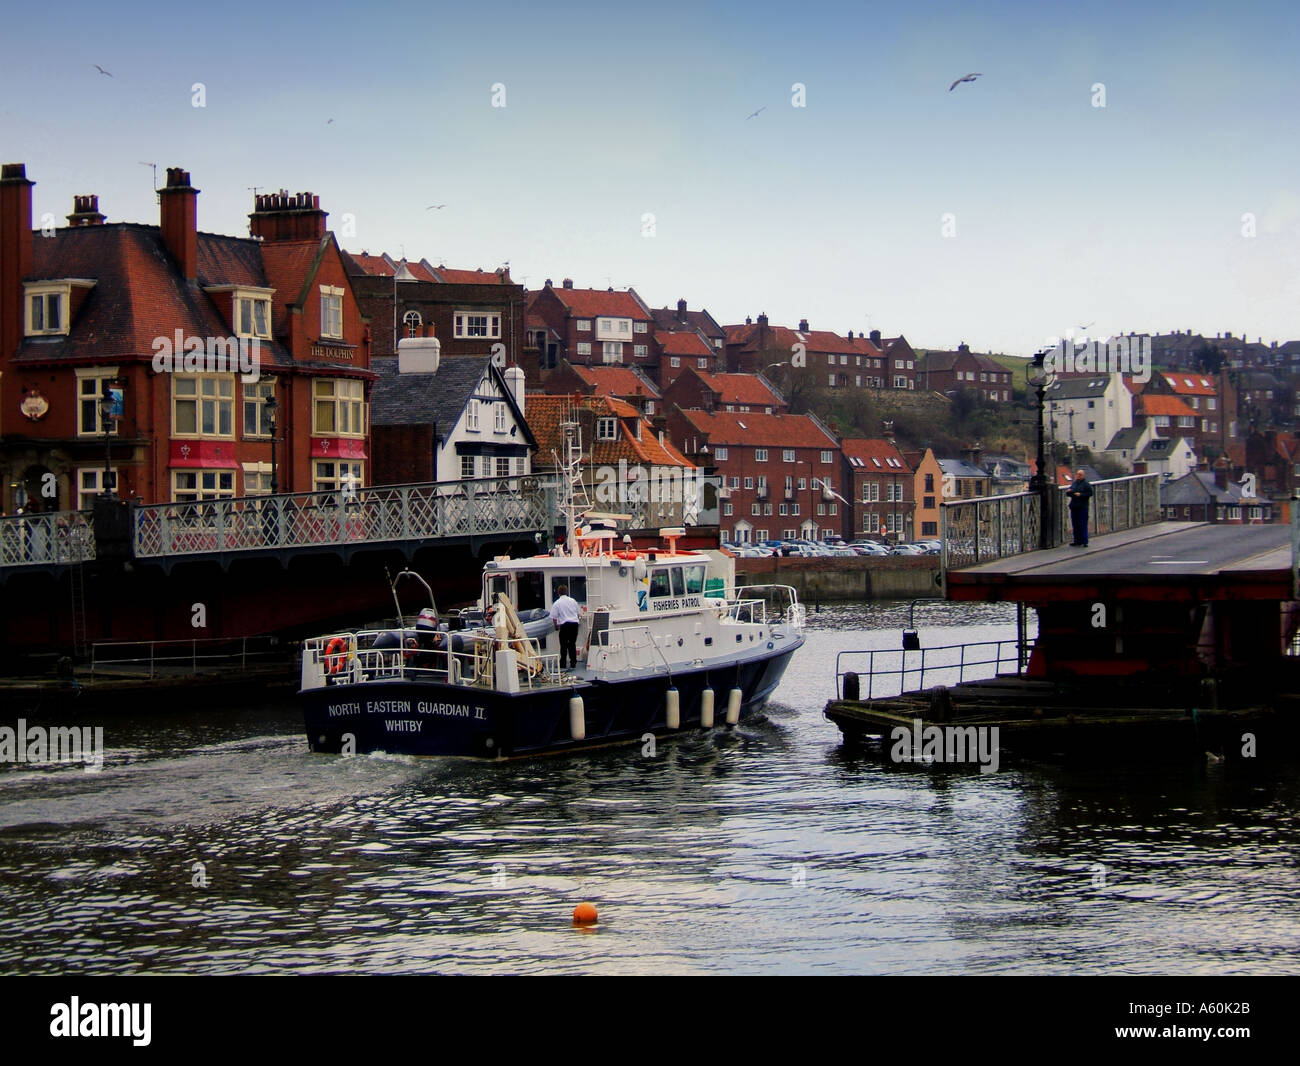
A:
[1079, 493]
[564, 613]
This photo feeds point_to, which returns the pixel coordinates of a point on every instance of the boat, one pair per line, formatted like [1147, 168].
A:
[666, 644]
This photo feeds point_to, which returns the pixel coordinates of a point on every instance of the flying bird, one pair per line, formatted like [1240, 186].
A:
[763, 108]
[101, 70]
[968, 77]
[327, 123]
[435, 207]
[1088, 326]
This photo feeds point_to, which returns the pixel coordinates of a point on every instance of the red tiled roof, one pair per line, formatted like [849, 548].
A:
[1190, 384]
[287, 265]
[689, 344]
[873, 454]
[374, 265]
[751, 389]
[468, 277]
[616, 381]
[750, 427]
[1151, 403]
[139, 294]
[545, 414]
[588, 303]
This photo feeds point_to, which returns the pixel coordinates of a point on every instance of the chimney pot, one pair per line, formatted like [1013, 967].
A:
[875, 336]
[178, 205]
[803, 325]
[568, 283]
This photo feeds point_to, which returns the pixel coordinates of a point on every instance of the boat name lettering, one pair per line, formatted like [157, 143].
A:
[451, 710]
[676, 604]
[403, 725]
[339, 710]
[388, 707]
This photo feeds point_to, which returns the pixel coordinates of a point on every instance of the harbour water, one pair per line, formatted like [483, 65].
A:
[214, 843]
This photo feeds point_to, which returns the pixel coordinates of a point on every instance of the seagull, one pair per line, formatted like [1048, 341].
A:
[1088, 326]
[327, 123]
[969, 77]
[435, 207]
[101, 70]
[763, 108]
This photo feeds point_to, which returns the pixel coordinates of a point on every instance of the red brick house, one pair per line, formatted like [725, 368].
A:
[471, 312]
[98, 307]
[1213, 401]
[681, 351]
[679, 319]
[952, 372]
[595, 327]
[700, 390]
[880, 485]
[627, 383]
[779, 472]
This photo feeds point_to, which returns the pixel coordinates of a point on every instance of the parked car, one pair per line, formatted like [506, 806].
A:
[908, 549]
[869, 547]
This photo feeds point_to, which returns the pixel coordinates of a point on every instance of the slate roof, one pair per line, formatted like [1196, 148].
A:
[961, 468]
[437, 399]
[1198, 487]
[1078, 388]
[1126, 439]
[667, 318]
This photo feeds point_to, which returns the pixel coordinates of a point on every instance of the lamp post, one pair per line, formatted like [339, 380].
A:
[271, 408]
[1036, 377]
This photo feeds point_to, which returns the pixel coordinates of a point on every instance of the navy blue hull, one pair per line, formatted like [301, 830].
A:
[425, 718]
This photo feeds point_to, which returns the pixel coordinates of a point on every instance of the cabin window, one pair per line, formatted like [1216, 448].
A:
[496, 584]
[679, 582]
[695, 578]
[577, 586]
[531, 586]
[659, 583]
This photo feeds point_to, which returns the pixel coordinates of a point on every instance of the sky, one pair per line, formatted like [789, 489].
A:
[864, 194]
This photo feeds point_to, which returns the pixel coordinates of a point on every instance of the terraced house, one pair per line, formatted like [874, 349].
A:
[780, 473]
[169, 364]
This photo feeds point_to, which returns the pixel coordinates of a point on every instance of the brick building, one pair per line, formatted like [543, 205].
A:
[627, 383]
[89, 318]
[879, 485]
[591, 327]
[700, 390]
[779, 472]
[951, 372]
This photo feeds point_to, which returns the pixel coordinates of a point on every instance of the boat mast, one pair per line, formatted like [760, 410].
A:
[576, 504]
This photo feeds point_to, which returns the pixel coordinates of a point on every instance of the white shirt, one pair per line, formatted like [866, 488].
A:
[564, 610]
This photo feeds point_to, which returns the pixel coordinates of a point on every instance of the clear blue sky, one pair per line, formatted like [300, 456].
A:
[1128, 216]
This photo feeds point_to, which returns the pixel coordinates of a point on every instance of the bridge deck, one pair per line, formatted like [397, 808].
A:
[1166, 560]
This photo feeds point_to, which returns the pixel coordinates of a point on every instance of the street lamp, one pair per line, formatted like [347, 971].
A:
[110, 409]
[1036, 377]
[271, 408]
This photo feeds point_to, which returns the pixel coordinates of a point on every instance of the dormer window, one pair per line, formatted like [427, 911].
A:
[607, 429]
[253, 316]
[46, 314]
[48, 306]
[331, 312]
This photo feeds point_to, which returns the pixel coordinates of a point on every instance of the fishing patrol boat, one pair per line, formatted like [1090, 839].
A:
[665, 643]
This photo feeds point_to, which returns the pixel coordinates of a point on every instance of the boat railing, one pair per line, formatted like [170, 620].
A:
[888, 672]
[359, 661]
[619, 650]
[779, 603]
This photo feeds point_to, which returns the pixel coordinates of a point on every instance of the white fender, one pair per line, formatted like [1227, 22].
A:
[577, 719]
[674, 709]
[706, 708]
[733, 706]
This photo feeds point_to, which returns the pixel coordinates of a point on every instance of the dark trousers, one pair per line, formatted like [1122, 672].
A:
[1079, 520]
[568, 644]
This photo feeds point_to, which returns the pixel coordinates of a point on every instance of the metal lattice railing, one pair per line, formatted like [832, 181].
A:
[993, 527]
[369, 515]
[57, 538]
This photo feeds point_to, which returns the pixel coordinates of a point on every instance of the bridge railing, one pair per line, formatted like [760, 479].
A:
[57, 537]
[986, 528]
[1117, 504]
[374, 514]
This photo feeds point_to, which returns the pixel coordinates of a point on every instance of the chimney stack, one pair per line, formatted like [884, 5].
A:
[875, 337]
[1221, 474]
[179, 202]
[279, 216]
[568, 283]
[681, 310]
[803, 325]
[16, 252]
[85, 212]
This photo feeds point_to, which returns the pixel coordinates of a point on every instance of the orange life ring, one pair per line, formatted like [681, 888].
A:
[625, 555]
[335, 654]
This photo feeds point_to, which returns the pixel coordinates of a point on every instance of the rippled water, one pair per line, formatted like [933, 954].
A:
[765, 849]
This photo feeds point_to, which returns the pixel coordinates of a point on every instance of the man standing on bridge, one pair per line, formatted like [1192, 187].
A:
[564, 613]
[1080, 493]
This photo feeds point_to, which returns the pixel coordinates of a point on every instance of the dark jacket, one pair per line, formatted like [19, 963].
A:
[1080, 493]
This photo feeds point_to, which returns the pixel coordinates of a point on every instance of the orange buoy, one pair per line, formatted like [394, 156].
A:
[584, 914]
